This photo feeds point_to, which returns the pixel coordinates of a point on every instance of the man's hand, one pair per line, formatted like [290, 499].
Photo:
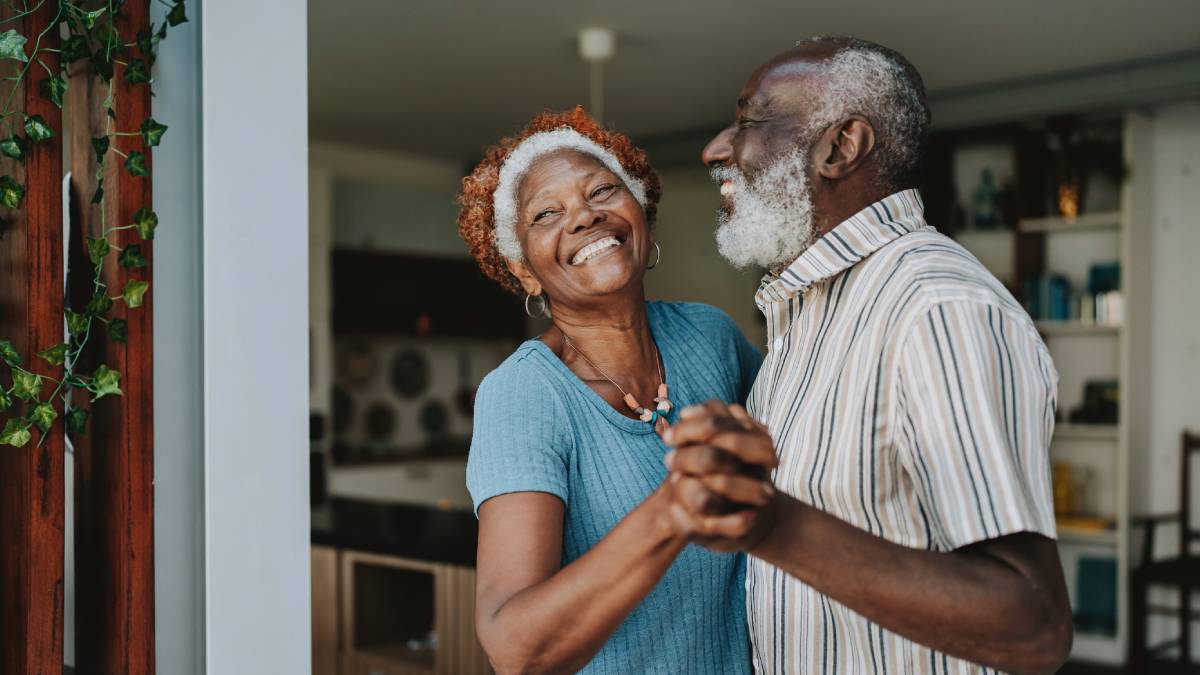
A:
[720, 471]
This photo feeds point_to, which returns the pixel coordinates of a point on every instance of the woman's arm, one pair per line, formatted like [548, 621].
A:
[534, 616]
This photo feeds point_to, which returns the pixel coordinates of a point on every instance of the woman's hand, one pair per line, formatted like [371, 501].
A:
[719, 486]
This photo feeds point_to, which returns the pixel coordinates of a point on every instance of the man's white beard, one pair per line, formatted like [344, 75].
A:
[771, 220]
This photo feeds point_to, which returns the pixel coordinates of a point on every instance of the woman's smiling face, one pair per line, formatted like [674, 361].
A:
[583, 233]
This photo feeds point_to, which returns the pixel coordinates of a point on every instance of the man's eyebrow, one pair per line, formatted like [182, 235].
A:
[760, 102]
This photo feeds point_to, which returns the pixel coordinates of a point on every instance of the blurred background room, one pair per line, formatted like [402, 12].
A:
[1065, 155]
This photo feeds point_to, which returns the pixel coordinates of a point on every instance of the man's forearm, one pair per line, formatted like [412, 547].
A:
[966, 603]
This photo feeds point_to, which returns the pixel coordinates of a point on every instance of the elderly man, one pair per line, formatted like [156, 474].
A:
[906, 402]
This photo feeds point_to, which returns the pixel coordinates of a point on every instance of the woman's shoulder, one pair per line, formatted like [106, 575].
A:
[525, 372]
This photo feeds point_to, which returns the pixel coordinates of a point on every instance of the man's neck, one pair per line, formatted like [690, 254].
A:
[840, 200]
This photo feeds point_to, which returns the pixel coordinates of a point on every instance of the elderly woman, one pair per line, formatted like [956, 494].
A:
[582, 564]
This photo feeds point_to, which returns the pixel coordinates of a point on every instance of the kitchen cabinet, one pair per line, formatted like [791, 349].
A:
[378, 614]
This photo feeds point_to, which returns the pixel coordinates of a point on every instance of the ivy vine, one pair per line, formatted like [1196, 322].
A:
[91, 38]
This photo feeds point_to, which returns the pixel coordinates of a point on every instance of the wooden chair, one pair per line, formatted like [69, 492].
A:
[1181, 572]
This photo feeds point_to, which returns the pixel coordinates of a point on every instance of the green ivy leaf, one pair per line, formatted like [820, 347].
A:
[109, 36]
[99, 304]
[36, 128]
[99, 193]
[152, 131]
[110, 112]
[14, 146]
[26, 386]
[162, 33]
[104, 382]
[55, 355]
[12, 46]
[145, 42]
[76, 381]
[9, 354]
[97, 249]
[118, 330]
[53, 89]
[5, 401]
[102, 64]
[135, 163]
[75, 48]
[43, 415]
[100, 145]
[177, 14]
[16, 432]
[132, 257]
[77, 323]
[11, 192]
[76, 421]
[134, 290]
[145, 220]
[137, 72]
[89, 18]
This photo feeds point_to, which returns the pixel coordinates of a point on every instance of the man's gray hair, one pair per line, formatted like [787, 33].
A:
[878, 83]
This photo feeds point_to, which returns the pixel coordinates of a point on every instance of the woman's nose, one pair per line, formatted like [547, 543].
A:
[719, 150]
[586, 218]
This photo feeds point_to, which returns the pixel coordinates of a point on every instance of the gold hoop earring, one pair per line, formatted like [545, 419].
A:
[658, 250]
[543, 306]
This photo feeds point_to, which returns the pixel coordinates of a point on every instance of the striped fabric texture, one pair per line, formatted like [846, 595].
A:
[908, 394]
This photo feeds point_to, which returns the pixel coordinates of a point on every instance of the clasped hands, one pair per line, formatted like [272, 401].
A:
[719, 491]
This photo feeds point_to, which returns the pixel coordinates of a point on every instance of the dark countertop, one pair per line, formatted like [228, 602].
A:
[402, 530]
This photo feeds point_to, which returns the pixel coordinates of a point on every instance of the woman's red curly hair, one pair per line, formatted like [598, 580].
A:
[476, 221]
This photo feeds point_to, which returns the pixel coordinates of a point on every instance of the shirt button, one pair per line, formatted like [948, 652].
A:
[778, 344]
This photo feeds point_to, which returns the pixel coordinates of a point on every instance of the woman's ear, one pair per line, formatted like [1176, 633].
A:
[844, 147]
[521, 271]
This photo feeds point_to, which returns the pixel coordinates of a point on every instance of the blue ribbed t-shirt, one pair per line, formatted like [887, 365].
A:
[539, 428]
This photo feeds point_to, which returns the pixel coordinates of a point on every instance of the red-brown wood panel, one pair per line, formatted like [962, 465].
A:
[31, 304]
[114, 463]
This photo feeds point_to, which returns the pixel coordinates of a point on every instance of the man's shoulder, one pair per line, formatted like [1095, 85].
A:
[936, 269]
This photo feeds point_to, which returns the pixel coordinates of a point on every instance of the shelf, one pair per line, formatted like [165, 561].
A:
[1062, 328]
[1090, 221]
[1086, 432]
[1085, 536]
[1097, 648]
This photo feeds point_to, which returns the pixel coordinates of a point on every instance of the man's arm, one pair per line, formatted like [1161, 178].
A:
[1001, 602]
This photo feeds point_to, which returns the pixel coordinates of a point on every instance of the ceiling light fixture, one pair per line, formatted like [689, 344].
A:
[597, 45]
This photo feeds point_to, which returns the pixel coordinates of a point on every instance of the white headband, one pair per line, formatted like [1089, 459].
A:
[504, 200]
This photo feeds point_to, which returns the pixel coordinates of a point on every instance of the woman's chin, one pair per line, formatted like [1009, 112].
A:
[606, 279]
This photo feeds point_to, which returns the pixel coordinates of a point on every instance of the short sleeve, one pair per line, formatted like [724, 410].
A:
[520, 441]
[976, 412]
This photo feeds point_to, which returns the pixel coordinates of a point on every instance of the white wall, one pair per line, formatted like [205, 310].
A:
[254, 155]
[178, 349]
[1176, 297]
[691, 269]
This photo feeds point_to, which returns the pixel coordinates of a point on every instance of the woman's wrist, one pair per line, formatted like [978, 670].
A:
[669, 530]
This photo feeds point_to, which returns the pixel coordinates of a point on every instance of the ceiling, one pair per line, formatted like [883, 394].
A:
[444, 78]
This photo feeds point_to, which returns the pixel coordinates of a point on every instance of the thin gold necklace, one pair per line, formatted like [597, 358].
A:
[656, 417]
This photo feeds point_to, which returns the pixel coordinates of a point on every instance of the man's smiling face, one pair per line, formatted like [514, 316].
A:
[761, 163]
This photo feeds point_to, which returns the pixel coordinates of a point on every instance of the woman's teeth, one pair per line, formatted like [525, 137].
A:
[594, 248]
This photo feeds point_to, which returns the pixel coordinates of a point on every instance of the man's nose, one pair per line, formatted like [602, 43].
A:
[719, 150]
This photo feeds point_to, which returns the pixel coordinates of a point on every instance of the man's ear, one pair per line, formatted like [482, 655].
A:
[844, 147]
[521, 271]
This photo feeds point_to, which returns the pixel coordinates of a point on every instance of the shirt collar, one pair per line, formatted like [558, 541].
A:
[852, 240]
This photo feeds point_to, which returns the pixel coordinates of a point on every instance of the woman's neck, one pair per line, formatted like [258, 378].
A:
[615, 340]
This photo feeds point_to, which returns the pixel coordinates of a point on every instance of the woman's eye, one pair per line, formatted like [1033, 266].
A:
[603, 191]
[543, 214]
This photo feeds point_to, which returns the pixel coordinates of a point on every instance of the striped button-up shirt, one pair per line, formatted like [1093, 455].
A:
[909, 395]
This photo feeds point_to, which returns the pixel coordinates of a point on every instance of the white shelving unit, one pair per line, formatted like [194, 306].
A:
[1084, 351]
